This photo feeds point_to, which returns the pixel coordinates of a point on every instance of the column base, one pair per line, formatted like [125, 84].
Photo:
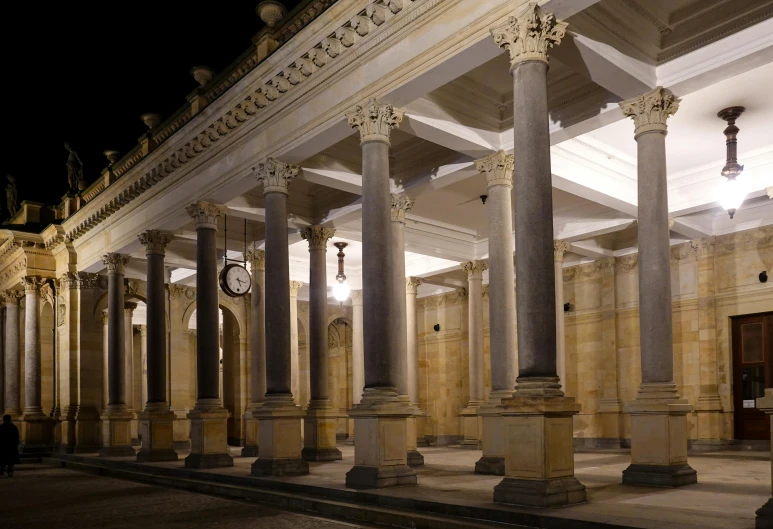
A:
[660, 476]
[319, 433]
[380, 441]
[540, 492]
[87, 431]
[251, 431]
[68, 430]
[37, 434]
[490, 466]
[764, 518]
[280, 438]
[209, 427]
[472, 427]
[492, 463]
[157, 438]
[116, 433]
[413, 457]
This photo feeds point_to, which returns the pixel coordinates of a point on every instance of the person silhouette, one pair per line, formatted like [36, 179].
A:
[9, 446]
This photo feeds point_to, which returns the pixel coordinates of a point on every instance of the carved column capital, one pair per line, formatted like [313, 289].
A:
[704, 248]
[205, 214]
[129, 307]
[257, 258]
[651, 110]
[559, 249]
[104, 317]
[276, 176]
[154, 241]
[295, 287]
[68, 281]
[115, 262]
[474, 269]
[375, 120]
[12, 297]
[356, 297]
[412, 284]
[498, 168]
[401, 205]
[528, 37]
[317, 236]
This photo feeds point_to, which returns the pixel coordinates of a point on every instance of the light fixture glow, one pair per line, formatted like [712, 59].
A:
[341, 291]
[731, 194]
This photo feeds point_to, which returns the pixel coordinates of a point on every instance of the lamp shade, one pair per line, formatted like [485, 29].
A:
[341, 291]
[731, 194]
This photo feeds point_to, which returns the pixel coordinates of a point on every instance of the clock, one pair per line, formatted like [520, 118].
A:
[235, 280]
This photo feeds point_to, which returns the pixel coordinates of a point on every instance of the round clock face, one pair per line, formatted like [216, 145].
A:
[235, 280]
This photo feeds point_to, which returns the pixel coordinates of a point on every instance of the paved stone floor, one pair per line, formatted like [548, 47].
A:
[45, 497]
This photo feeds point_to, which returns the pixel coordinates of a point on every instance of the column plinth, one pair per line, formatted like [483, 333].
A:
[536, 422]
[380, 429]
[257, 258]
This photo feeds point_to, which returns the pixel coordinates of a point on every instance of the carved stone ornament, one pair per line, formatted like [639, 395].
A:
[257, 258]
[154, 241]
[375, 120]
[590, 271]
[356, 297]
[176, 291]
[205, 214]
[317, 236]
[704, 248]
[131, 288]
[295, 287]
[498, 168]
[559, 249]
[749, 240]
[628, 262]
[61, 311]
[129, 307]
[400, 206]
[474, 269]
[32, 284]
[683, 251]
[12, 297]
[527, 37]
[87, 281]
[486, 291]
[412, 284]
[276, 176]
[68, 281]
[115, 262]
[104, 317]
[651, 110]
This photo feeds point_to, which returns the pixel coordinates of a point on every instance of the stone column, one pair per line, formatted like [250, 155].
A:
[472, 424]
[379, 418]
[116, 419]
[295, 358]
[129, 308]
[358, 361]
[105, 356]
[209, 419]
[280, 418]
[319, 430]
[156, 420]
[765, 513]
[12, 355]
[538, 415]
[658, 415]
[498, 169]
[559, 249]
[418, 421]
[257, 258]
[37, 428]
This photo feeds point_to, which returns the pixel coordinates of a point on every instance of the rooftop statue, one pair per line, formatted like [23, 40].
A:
[75, 177]
[11, 196]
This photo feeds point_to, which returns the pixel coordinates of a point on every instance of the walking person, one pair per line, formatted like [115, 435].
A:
[9, 446]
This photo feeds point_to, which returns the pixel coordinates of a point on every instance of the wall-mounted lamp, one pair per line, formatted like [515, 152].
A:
[437, 327]
[764, 276]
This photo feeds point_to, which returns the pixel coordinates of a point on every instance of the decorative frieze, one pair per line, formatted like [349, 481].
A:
[276, 176]
[317, 236]
[444, 300]
[590, 271]
[115, 262]
[529, 36]
[747, 240]
[498, 168]
[704, 248]
[412, 284]
[154, 241]
[205, 214]
[681, 252]
[626, 263]
[375, 120]
[651, 110]
[181, 292]
[401, 205]
[474, 269]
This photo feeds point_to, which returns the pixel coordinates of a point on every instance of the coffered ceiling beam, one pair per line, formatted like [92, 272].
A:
[587, 228]
[591, 249]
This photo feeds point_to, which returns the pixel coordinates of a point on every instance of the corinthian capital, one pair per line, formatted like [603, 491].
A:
[474, 269]
[527, 37]
[295, 287]
[317, 236]
[400, 206]
[12, 297]
[412, 284]
[32, 284]
[498, 168]
[651, 110]
[115, 262]
[375, 121]
[257, 258]
[276, 176]
[205, 214]
[559, 249]
[154, 241]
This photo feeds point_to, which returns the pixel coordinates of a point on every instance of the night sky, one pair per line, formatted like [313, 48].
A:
[86, 72]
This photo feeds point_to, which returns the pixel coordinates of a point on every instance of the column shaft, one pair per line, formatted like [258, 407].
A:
[32, 365]
[399, 207]
[412, 328]
[105, 361]
[258, 330]
[358, 361]
[116, 342]
[12, 355]
[559, 249]
[156, 329]
[295, 357]
[475, 336]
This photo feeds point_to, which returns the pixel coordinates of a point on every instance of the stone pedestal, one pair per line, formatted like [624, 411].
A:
[37, 434]
[156, 428]
[539, 457]
[765, 513]
[472, 428]
[116, 433]
[319, 434]
[492, 462]
[280, 438]
[87, 431]
[413, 456]
[209, 434]
[251, 431]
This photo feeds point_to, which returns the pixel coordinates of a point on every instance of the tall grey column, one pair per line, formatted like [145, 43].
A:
[559, 249]
[400, 206]
[279, 417]
[658, 415]
[412, 326]
[128, 314]
[257, 259]
[319, 426]
[295, 366]
[12, 354]
[156, 419]
[105, 361]
[380, 405]
[116, 420]
[209, 418]
[32, 365]
[358, 361]
[474, 270]
[538, 415]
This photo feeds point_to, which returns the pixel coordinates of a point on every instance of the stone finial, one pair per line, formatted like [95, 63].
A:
[474, 269]
[32, 284]
[375, 120]
[356, 297]
[115, 262]
[527, 37]
[559, 249]
[498, 168]
[276, 176]
[412, 284]
[295, 287]
[400, 206]
[154, 241]
[270, 12]
[257, 258]
[205, 214]
[651, 110]
[151, 120]
[317, 236]
[129, 307]
[112, 156]
[202, 74]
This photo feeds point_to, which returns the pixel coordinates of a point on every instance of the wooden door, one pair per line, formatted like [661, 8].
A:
[752, 373]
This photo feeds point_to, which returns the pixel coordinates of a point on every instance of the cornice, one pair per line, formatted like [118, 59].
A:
[755, 239]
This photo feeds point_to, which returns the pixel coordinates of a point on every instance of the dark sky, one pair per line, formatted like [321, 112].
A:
[86, 71]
